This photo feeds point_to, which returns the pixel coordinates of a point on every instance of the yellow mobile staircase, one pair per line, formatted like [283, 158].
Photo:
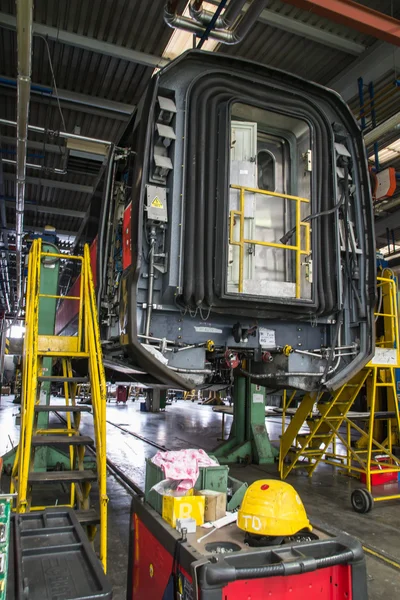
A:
[84, 346]
[323, 426]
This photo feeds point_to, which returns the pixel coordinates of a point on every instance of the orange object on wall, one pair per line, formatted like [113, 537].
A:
[385, 183]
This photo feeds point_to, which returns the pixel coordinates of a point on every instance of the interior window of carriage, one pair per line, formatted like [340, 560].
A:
[270, 186]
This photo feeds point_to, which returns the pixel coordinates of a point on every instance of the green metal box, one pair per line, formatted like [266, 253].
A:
[236, 492]
[210, 478]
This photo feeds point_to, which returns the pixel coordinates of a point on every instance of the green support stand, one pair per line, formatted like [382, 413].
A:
[248, 440]
[49, 273]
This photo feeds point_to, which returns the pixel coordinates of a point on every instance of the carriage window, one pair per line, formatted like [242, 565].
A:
[266, 170]
[270, 247]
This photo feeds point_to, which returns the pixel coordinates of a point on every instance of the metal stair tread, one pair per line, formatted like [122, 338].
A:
[65, 354]
[62, 408]
[70, 440]
[56, 378]
[61, 476]
[87, 517]
[317, 435]
[308, 452]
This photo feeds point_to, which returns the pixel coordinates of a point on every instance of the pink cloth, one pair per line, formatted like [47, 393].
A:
[183, 465]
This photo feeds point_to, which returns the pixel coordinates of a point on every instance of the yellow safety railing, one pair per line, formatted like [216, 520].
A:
[330, 437]
[99, 396]
[86, 344]
[242, 240]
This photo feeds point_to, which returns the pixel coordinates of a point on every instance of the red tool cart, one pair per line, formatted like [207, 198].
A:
[163, 566]
[122, 393]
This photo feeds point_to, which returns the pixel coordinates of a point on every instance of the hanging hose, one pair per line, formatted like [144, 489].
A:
[284, 239]
[150, 288]
[223, 574]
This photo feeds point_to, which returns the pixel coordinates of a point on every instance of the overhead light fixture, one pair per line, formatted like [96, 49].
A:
[388, 153]
[183, 40]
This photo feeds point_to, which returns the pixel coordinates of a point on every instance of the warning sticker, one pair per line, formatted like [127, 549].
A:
[157, 203]
[267, 337]
[258, 398]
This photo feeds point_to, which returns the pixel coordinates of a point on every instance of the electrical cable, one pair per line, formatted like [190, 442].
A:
[284, 239]
[54, 80]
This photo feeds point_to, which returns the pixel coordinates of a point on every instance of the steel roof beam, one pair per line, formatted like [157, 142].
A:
[269, 17]
[316, 34]
[63, 185]
[37, 229]
[72, 97]
[52, 148]
[88, 43]
[372, 65]
[356, 16]
[31, 206]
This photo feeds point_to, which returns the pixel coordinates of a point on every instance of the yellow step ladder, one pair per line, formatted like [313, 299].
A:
[85, 346]
[321, 415]
[315, 430]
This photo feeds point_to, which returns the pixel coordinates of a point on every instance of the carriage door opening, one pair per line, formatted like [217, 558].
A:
[268, 199]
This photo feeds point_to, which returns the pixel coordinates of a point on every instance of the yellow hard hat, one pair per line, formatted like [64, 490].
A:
[272, 508]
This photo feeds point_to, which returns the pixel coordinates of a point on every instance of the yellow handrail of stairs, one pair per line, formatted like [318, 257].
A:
[85, 345]
[322, 428]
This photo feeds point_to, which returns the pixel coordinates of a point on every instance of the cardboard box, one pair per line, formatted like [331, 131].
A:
[184, 507]
[215, 504]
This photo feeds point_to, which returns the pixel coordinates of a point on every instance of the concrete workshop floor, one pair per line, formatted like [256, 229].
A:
[326, 495]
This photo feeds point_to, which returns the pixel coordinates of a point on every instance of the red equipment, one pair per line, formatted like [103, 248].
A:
[163, 567]
[380, 478]
[122, 393]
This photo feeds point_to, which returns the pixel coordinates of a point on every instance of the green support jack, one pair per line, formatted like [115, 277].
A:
[49, 273]
[248, 440]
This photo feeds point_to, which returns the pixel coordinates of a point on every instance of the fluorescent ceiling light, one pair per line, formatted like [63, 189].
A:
[390, 152]
[183, 40]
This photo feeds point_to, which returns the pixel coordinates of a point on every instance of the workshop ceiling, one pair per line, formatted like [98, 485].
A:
[103, 54]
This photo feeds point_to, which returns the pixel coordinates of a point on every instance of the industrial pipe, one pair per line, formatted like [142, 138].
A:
[384, 206]
[379, 131]
[150, 289]
[24, 45]
[106, 215]
[4, 236]
[62, 134]
[8, 161]
[204, 17]
[225, 36]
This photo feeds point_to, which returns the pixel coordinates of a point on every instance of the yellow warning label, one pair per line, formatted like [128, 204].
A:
[157, 203]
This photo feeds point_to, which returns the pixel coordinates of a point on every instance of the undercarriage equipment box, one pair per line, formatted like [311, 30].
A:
[223, 567]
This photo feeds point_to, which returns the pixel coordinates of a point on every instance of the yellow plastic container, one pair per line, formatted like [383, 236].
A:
[184, 507]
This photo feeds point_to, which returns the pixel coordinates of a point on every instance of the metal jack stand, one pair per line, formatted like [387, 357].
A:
[248, 440]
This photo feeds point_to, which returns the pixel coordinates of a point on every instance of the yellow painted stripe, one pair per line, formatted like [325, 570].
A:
[390, 562]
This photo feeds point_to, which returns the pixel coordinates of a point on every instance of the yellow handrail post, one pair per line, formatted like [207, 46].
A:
[297, 248]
